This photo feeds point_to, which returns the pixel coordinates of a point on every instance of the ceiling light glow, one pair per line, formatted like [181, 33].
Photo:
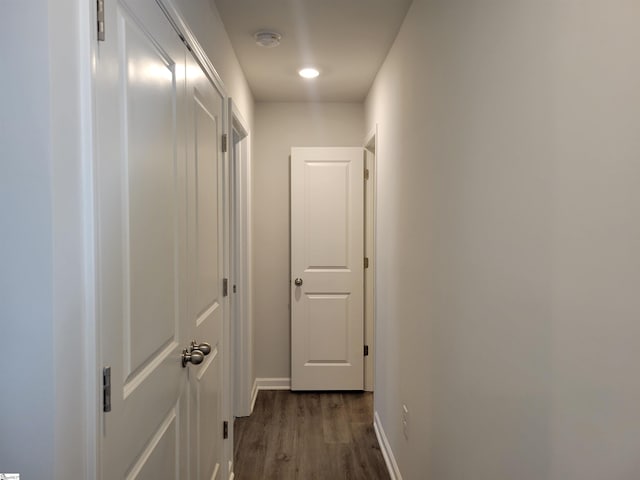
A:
[308, 73]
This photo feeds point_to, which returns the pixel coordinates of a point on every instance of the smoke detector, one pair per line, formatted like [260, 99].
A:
[267, 39]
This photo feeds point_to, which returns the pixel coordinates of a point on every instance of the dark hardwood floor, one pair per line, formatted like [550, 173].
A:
[309, 436]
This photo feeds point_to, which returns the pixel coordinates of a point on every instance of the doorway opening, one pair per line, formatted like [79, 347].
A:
[369, 252]
[240, 268]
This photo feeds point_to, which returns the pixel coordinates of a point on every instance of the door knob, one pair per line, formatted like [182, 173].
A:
[204, 347]
[196, 357]
[298, 282]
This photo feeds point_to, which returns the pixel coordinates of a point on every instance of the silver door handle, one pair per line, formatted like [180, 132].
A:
[298, 282]
[196, 357]
[204, 347]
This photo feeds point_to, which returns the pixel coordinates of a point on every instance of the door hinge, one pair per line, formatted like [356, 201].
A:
[225, 429]
[366, 262]
[366, 350]
[366, 174]
[106, 389]
[225, 147]
[184, 40]
[234, 289]
[100, 19]
[225, 287]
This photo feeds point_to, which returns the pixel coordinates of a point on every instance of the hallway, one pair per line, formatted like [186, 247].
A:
[309, 436]
[147, 282]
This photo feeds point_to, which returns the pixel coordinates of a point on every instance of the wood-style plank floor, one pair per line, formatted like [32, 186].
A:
[309, 436]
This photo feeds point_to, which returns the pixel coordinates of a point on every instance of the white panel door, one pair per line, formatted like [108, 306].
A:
[207, 306]
[327, 237]
[141, 238]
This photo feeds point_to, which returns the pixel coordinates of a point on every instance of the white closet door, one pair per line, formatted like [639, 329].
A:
[327, 238]
[208, 307]
[140, 71]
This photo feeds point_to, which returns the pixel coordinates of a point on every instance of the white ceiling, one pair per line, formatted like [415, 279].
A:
[347, 40]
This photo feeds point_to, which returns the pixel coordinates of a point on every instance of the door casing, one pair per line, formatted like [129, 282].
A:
[370, 253]
[241, 316]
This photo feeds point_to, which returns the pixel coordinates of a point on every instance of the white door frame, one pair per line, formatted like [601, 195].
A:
[241, 313]
[370, 146]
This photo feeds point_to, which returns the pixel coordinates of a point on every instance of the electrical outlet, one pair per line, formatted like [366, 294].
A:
[405, 421]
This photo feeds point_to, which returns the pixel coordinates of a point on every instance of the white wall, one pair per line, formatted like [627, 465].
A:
[508, 232]
[278, 127]
[26, 286]
[42, 302]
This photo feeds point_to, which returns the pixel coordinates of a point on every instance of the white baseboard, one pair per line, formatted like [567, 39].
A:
[254, 395]
[268, 384]
[274, 383]
[387, 453]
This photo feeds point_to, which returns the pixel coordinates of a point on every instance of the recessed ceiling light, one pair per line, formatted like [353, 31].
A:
[267, 39]
[308, 73]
